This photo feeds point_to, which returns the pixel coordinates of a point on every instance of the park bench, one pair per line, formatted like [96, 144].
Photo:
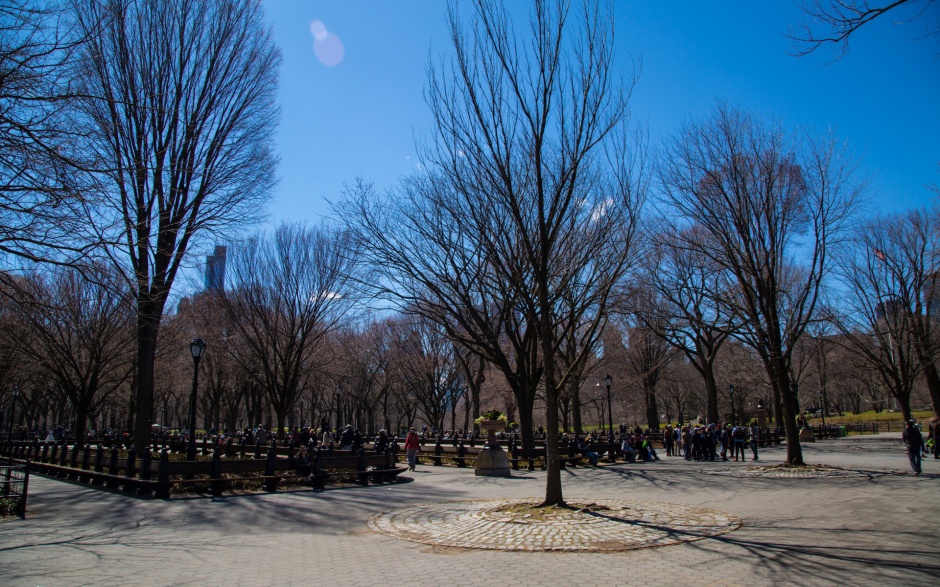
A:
[531, 455]
[124, 474]
[380, 468]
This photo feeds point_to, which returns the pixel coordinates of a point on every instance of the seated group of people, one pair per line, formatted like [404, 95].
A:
[638, 447]
[634, 447]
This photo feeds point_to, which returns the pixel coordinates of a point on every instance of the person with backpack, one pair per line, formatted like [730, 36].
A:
[755, 438]
[739, 436]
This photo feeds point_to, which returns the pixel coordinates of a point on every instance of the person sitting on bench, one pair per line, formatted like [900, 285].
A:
[628, 451]
[587, 451]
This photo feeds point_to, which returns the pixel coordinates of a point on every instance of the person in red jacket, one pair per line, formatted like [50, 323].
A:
[412, 444]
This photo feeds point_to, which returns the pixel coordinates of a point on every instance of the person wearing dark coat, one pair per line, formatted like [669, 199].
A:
[381, 441]
[914, 442]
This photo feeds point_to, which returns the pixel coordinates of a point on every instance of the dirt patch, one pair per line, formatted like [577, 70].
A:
[535, 512]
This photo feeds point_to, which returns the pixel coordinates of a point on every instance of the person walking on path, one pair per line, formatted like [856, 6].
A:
[412, 445]
[915, 445]
[755, 438]
[738, 436]
[935, 433]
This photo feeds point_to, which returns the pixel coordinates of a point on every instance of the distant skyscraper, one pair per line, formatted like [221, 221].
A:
[932, 294]
[215, 270]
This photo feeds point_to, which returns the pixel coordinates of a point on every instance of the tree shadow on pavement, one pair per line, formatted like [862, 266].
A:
[787, 553]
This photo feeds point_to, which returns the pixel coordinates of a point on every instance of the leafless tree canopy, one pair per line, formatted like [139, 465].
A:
[532, 193]
[833, 22]
[181, 108]
[892, 269]
[767, 207]
[427, 366]
[43, 184]
[683, 301]
[79, 329]
[289, 291]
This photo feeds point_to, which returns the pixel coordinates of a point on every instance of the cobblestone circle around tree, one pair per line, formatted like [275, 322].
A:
[602, 525]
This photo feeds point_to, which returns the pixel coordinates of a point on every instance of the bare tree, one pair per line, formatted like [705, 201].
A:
[80, 334]
[43, 178]
[740, 365]
[685, 307]
[833, 22]
[766, 207]
[677, 390]
[363, 362]
[289, 291]
[647, 357]
[892, 268]
[181, 111]
[473, 368]
[205, 316]
[427, 367]
[532, 191]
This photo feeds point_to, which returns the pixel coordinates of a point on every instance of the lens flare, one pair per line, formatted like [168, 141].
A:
[330, 50]
[318, 30]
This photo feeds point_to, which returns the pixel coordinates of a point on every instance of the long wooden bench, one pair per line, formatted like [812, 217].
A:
[531, 455]
[160, 477]
[378, 467]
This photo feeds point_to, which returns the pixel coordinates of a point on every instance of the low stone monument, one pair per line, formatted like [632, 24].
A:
[492, 460]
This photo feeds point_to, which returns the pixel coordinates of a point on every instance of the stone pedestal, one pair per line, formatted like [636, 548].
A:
[492, 460]
[806, 435]
[762, 417]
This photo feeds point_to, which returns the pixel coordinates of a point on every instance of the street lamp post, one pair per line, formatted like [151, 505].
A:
[610, 420]
[337, 393]
[16, 393]
[731, 395]
[196, 347]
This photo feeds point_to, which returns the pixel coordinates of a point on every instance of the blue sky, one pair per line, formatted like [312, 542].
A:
[360, 116]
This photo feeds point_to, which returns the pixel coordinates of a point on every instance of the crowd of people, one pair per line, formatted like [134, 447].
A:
[693, 443]
[712, 442]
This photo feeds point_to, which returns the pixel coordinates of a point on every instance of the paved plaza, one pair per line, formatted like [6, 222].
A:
[862, 519]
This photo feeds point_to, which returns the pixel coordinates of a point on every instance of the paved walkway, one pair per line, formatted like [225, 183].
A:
[871, 529]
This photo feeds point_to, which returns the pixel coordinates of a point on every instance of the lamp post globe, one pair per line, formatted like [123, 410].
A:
[197, 347]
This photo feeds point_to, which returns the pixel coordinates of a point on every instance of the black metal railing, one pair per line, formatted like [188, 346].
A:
[14, 487]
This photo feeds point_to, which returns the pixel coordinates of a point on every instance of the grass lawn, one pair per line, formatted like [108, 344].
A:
[873, 417]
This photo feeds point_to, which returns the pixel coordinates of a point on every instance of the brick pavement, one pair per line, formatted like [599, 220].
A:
[598, 525]
[856, 530]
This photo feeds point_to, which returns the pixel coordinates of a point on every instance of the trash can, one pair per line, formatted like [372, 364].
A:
[843, 432]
